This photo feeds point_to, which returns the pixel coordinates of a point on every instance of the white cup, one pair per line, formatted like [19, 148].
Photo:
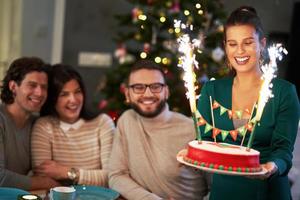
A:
[62, 193]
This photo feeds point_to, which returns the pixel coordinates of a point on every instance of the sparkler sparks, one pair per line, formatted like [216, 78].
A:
[188, 62]
[275, 52]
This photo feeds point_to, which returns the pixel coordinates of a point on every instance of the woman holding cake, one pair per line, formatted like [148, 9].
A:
[68, 143]
[244, 43]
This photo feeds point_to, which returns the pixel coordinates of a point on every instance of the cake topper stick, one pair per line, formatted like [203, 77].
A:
[249, 123]
[187, 62]
[275, 52]
[212, 117]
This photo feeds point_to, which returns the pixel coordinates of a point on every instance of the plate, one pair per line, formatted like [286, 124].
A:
[183, 152]
[11, 193]
[95, 193]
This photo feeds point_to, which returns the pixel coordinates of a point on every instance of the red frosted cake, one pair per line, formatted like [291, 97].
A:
[222, 156]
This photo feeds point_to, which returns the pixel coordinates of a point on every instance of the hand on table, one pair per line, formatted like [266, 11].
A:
[42, 182]
[52, 169]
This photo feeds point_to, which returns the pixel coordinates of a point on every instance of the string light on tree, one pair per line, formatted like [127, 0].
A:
[148, 22]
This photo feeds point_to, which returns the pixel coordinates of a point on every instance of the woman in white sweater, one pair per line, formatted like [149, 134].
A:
[68, 143]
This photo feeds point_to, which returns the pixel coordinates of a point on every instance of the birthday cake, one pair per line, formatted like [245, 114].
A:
[222, 156]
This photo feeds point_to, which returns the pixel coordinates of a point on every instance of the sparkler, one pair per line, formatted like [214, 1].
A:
[187, 62]
[275, 52]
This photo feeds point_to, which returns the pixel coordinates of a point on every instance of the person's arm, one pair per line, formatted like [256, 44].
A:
[41, 142]
[119, 175]
[285, 131]
[47, 167]
[12, 179]
[42, 182]
[9, 178]
[100, 176]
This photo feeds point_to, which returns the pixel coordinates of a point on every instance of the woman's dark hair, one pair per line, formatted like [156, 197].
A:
[59, 75]
[245, 15]
[17, 71]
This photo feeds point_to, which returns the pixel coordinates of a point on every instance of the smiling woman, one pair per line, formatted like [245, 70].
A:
[68, 143]
[244, 42]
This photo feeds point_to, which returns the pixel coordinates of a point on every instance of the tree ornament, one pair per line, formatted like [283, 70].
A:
[217, 54]
[175, 7]
[135, 14]
[120, 52]
[113, 114]
[122, 88]
[102, 104]
[150, 2]
[146, 48]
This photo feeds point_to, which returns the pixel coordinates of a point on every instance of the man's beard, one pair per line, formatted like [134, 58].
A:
[160, 107]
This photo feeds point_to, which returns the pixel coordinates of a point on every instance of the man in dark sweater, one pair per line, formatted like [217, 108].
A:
[23, 92]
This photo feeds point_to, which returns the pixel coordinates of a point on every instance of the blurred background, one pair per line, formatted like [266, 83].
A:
[101, 39]
[88, 36]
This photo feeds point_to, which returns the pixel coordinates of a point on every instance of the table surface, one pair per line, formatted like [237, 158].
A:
[44, 196]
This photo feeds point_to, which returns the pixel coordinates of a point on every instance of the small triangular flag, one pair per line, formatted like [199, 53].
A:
[239, 114]
[233, 134]
[222, 110]
[201, 121]
[249, 126]
[216, 132]
[207, 128]
[242, 130]
[224, 134]
[247, 111]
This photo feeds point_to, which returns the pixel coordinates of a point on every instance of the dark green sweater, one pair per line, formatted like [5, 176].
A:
[274, 138]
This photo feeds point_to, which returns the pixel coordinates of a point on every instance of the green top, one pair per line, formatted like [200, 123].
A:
[274, 138]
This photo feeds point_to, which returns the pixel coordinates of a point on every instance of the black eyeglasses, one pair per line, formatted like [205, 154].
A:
[141, 88]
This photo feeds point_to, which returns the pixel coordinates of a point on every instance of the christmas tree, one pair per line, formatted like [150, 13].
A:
[148, 32]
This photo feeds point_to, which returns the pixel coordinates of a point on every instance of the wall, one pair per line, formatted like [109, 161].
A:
[275, 14]
[89, 27]
[37, 28]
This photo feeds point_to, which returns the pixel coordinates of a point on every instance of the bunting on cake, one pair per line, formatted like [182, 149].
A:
[241, 131]
[222, 110]
[231, 113]
[216, 132]
[224, 134]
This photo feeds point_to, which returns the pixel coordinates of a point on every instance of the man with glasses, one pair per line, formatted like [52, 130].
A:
[143, 161]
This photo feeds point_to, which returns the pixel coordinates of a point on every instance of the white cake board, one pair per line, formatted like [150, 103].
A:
[183, 152]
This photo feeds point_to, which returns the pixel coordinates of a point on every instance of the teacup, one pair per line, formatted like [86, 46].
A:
[62, 193]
